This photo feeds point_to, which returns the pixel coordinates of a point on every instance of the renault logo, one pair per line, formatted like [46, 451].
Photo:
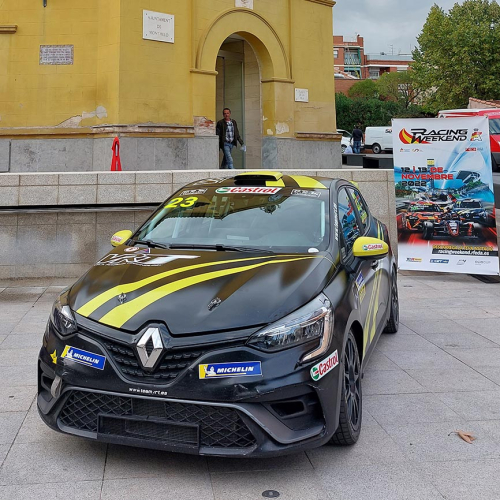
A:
[150, 343]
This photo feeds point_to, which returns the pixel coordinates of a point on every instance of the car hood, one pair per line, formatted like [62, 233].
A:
[197, 292]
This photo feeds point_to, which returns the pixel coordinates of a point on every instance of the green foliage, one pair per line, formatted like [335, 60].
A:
[399, 87]
[371, 112]
[458, 56]
[364, 88]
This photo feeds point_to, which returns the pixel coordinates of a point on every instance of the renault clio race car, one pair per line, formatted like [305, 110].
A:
[471, 210]
[236, 321]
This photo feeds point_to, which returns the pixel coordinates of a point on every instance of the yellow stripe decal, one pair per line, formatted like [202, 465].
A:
[376, 306]
[307, 182]
[279, 183]
[118, 316]
[366, 333]
[88, 308]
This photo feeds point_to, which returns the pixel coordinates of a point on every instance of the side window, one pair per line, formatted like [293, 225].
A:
[362, 209]
[347, 219]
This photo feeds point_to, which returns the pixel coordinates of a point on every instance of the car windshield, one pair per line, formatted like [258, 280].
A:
[424, 208]
[468, 204]
[495, 126]
[276, 219]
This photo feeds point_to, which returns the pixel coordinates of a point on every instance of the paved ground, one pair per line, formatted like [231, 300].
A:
[439, 374]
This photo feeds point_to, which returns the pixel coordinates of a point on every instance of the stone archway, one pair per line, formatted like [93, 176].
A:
[275, 70]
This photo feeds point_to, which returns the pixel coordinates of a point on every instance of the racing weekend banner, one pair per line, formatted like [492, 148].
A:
[444, 195]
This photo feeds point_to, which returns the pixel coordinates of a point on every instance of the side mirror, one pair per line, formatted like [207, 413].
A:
[120, 238]
[370, 248]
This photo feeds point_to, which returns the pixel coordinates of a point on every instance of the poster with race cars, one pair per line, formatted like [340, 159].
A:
[445, 201]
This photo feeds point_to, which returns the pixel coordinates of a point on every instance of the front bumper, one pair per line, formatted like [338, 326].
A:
[281, 412]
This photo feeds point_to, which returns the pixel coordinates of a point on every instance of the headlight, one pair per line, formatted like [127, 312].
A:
[61, 316]
[314, 321]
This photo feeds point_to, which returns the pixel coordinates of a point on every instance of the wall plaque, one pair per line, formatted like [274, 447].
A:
[57, 54]
[301, 95]
[158, 26]
[247, 4]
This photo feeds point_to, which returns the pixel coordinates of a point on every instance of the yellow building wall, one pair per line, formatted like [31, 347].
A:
[119, 78]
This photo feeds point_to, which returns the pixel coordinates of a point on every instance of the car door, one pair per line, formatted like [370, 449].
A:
[362, 274]
[381, 268]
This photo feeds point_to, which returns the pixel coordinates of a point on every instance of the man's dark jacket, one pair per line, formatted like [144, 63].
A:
[221, 132]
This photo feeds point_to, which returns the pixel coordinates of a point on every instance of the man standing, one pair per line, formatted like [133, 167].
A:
[229, 136]
[357, 137]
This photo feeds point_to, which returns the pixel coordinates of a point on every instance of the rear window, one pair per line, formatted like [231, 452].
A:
[277, 219]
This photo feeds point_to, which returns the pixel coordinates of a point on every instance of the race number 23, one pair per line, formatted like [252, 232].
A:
[182, 202]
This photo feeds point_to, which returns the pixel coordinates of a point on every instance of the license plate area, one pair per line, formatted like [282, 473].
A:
[154, 430]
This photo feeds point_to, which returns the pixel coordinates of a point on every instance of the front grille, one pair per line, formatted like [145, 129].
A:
[219, 427]
[171, 364]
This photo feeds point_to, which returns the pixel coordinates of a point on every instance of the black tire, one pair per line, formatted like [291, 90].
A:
[393, 323]
[477, 232]
[351, 407]
[376, 149]
[343, 147]
[428, 232]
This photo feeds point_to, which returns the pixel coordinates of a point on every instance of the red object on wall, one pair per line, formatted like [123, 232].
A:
[116, 163]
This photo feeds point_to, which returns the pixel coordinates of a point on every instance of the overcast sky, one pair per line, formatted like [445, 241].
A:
[384, 22]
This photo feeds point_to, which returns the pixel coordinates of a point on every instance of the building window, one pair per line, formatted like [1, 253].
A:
[352, 58]
[335, 53]
[374, 74]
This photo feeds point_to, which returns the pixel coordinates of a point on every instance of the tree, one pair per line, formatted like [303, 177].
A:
[458, 56]
[364, 88]
[400, 87]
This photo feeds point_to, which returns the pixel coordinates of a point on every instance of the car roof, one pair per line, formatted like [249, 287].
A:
[270, 179]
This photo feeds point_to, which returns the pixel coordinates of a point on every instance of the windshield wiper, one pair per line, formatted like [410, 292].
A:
[219, 248]
[151, 244]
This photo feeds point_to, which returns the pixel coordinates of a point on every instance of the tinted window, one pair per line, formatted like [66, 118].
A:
[360, 205]
[347, 219]
[290, 220]
[494, 126]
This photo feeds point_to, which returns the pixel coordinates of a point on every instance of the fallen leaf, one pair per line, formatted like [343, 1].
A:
[466, 436]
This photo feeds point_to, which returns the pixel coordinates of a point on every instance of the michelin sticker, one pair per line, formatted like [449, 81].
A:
[84, 357]
[224, 370]
[324, 367]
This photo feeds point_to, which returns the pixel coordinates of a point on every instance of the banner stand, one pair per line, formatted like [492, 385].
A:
[445, 201]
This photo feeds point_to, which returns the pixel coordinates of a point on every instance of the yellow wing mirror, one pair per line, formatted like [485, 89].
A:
[370, 248]
[120, 238]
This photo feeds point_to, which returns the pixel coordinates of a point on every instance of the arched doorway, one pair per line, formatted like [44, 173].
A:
[239, 88]
[271, 106]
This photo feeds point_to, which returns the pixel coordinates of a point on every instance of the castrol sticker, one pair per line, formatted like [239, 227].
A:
[373, 246]
[326, 366]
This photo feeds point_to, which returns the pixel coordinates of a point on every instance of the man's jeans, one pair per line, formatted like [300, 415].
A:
[356, 147]
[227, 161]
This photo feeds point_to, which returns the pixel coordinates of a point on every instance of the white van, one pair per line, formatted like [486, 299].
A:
[378, 139]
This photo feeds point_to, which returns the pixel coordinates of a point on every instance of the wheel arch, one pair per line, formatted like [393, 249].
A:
[357, 331]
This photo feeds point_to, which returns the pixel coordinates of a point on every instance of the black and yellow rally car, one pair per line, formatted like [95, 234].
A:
[236, 321]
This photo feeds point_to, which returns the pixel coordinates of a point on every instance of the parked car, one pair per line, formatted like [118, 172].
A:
[378, 139]
[347, 140]
[238, 320]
